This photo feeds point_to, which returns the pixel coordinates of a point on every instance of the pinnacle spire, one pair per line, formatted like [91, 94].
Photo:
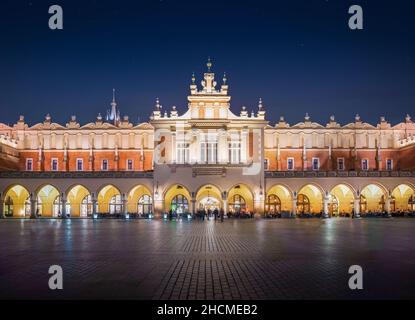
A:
[209, 64]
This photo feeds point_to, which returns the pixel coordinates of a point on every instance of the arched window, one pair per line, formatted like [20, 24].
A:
[273, 204]
[179, 204]
[411, 203]
[145, 205]
[86, 206]
[238, 204]
[8, 207]
[303, 204]
[115, 204]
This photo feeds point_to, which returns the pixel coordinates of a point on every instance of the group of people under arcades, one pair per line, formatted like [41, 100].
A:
[203, 214]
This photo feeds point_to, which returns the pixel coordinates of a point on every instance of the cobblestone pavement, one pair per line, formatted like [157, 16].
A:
[256, 259]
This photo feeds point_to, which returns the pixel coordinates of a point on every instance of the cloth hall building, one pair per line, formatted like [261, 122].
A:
[206, 158]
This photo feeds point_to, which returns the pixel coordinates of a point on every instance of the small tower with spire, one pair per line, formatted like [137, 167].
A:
[261, 110]
[113, 114]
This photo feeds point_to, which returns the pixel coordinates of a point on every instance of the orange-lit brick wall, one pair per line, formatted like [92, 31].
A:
[140, 162]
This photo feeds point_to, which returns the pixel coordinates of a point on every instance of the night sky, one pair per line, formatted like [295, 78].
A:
[299, 56]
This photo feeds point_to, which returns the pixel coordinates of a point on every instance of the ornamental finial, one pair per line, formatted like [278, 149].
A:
[113, 103]
[224, 78]
[209, 64]
[260, 105]
[193, 78]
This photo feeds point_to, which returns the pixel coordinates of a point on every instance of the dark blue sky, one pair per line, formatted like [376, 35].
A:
[299, 56]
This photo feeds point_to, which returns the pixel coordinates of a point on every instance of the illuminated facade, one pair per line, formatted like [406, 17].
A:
[206, 158]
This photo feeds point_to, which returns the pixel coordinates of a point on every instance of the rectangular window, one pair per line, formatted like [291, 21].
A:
[54, 164]
[130, 164]
[29, 164]
[365, 164]
[212, 150]
[340, 164]
[203, 152]
[235, 152]
[316, 164]
[290, 164]
[182, 153]
[79, 164]
[104, 166]
[266, 164]
[389, 164]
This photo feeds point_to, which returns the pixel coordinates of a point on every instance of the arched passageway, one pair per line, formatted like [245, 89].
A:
[16, 202]
[310, 200]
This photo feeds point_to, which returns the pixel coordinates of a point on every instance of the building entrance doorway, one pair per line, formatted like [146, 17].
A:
[209, 203]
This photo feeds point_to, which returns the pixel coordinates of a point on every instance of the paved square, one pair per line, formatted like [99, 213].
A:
[237, 259]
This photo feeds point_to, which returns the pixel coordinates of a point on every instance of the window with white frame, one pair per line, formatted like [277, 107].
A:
[389, 164]
[212, 151]
[209, 152]
[316, 164]
[54, 164]
[29, 164]
[290, 164]
[182, 152]
[266, 164]
[104, 165]
[130, 164]
[340, 163]
[235, 152]
[365, 164]
[79, 164]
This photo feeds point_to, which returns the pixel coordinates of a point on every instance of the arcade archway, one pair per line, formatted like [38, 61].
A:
[404, 198]
[341, 200]
[278, 200]
[140, 200]
[310, 200]
[240, 200]
[16, 202]
[208, 197]
[109, 200]
[49, 202]
[372, 199]
[177, 199]
[80, 201]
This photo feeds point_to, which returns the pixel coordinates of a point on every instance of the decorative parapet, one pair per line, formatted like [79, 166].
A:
[342, 174]
[8, 141]
[75, 175]
[406, 142]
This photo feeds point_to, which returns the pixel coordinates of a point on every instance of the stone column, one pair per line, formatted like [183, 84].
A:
[1, 206]
[388, 205]
[356, 207]
[125, 205]
[158, 202]
[33, 202]
[63, 201]
[225, 204]
[193, 195]
[94, 205]
[294, 209]
[326, 206]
